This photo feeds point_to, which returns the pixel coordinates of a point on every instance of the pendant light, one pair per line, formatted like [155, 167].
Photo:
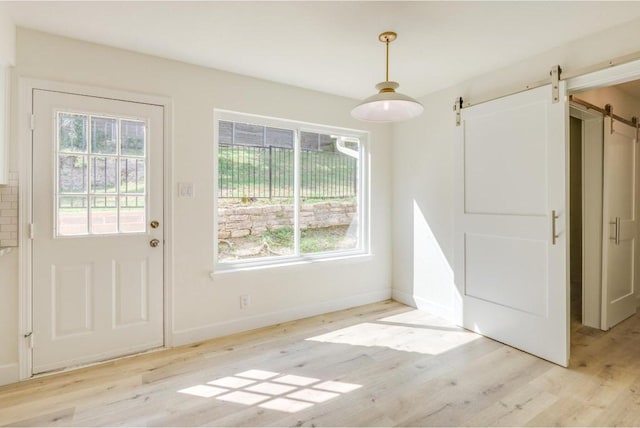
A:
[387, 105]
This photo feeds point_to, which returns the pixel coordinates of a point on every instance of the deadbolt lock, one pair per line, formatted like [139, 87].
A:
[154, 243]
[155, 224]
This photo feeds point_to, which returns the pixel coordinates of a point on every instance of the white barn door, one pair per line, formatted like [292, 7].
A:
[619, 228]
[510, 179]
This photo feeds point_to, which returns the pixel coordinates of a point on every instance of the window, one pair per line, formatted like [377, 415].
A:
[100, 175]
[287, 190]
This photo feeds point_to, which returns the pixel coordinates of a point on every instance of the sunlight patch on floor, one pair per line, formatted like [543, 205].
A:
[412, 331]
[271, 390]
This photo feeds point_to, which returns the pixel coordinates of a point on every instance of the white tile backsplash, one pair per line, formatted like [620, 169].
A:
[9, 212]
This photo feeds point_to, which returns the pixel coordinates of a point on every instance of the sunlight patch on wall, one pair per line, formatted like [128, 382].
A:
[433, 278]
[271, 390]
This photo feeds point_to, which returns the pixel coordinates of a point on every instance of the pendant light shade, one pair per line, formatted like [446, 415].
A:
[387, 105]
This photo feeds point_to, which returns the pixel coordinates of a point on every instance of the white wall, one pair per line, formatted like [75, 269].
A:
[7, 38]
[7, 59]
[423, 166]
[8, 263]
[203, 308]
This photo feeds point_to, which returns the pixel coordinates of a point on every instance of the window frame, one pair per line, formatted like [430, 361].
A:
[363, 211]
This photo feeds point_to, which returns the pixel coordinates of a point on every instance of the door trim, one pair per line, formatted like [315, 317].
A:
[591, 191]
[597, 78]
[26, 86]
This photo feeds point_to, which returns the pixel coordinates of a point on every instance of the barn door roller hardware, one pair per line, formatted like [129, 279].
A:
[606, 111]
[555, 83]
[555, 73]
[457, 106]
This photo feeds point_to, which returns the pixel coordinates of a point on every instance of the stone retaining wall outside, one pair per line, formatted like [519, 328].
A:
[237, 222]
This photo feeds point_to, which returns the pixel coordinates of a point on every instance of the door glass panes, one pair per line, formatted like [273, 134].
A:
[101, 161]
[72, 133]
[132, 214]
[72, 215]
[72, 172]
[132, 141]
[104, 175]
[104, 214]
[132, 175]
[103, 135]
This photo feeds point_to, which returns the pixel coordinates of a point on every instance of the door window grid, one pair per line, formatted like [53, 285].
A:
[101, 170]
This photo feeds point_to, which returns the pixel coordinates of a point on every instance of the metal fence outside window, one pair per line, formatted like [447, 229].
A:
[268, 172]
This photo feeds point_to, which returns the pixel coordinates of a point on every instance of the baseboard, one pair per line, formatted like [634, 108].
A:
[423, 305]
[225, 328]
[402, 297]
[9, 373]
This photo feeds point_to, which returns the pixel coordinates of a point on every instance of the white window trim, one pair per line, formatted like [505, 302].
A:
[297, 127]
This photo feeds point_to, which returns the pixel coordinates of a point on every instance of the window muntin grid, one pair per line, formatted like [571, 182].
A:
[101, 175]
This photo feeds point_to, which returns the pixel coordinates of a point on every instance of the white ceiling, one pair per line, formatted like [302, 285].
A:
[332, 46]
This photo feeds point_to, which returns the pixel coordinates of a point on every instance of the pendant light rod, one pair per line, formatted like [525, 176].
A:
[387, 37]
[387, 74]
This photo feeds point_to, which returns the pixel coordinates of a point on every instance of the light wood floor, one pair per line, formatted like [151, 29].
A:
[378, 365]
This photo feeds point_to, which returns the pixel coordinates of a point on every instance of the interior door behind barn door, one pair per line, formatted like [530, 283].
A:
[510, 266]
[98, 241]
[619, 218]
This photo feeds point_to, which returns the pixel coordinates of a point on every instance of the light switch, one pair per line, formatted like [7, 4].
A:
[185, 190]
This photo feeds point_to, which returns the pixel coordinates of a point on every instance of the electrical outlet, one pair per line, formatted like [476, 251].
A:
[245, 301]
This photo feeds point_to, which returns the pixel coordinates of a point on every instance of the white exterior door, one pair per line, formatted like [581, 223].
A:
[97, 188]
[510, 177]
[619, 228]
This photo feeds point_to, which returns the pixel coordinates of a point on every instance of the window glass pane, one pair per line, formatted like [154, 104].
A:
[256, 195]
[225, 132]
[132, 214]
[72, 133]
[104, 136]
[255, 198]
[309, 141]
[277, 137]
[72, 174]
[104, 214]
[133, 138]
[104, 174]
[132, 179]
[248, 135]
[329, 196]
[72, 215]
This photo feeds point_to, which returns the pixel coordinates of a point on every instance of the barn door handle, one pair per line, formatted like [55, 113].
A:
[616, 237]
[554, 235]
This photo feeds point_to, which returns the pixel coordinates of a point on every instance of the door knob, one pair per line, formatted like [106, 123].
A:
[154, 243]
[154, 224]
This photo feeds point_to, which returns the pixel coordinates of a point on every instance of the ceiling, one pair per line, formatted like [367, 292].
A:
[332, 46]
